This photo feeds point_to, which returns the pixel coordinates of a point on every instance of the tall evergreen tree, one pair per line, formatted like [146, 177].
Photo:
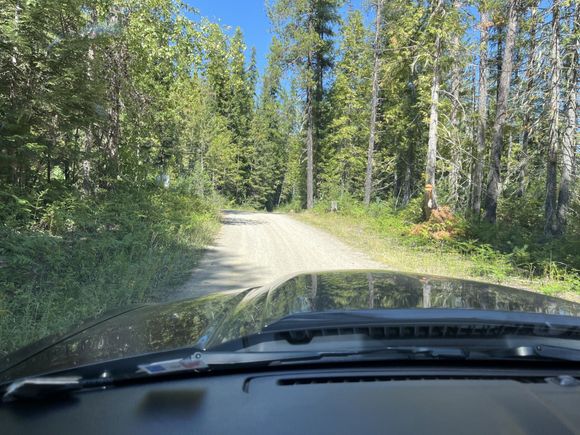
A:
[569, 137]
[344, 147]
[270, 136]
[430, 202]
[374, 100]
[503, 89]
[550, 216]
[304, 27]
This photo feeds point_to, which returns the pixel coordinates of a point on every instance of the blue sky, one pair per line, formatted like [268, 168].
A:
[249, 15]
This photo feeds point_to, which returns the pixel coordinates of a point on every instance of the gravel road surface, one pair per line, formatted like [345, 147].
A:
[253, 249]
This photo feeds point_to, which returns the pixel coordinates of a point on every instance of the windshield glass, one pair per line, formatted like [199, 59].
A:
[239, 162]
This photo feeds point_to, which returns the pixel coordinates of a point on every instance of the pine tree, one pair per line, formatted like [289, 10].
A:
[493, 184]
[550, 216]
[343, 153]
[430, 202]
[528, 101]
[569, 142]
[269, 136]
[374, 101]
[304, 27]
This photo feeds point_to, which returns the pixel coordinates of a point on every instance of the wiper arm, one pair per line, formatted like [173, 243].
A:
[557, 352]
[208, 361]
[539, 351]
[48, 386]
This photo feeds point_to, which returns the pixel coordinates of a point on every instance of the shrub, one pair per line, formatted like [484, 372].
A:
[515, 246]
[76, 257]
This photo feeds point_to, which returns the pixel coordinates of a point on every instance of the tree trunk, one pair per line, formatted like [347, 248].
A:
[551, 221]
[14, 172]
[51, 145]
[86, 164]
[528, 106]
[310, 125]
[309, 149]
[569, 136]
[477, 174]
[412, 132]
[409, 169]
[500, 32]
[374, 103]
[493, 186]
[48, 163]
[117, 70]
[454, 118]
[114, 134]
[431, 203]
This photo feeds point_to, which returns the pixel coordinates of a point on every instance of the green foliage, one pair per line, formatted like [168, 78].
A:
[495, 253]
[305, 30]
[269, 144]
[520, 234]
[78, 257]
[343, 154]
[122, 92]
[487, 262]
[99, 99]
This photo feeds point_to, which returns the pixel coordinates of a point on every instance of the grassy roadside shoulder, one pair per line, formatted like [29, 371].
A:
[73, 258]
[387, 238]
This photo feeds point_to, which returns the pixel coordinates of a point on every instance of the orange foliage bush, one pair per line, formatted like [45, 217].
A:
[442, 225]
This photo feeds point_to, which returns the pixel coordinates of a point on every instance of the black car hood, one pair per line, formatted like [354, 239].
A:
[216, 318]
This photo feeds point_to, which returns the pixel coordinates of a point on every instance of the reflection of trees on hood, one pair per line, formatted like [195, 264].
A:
[352, 291]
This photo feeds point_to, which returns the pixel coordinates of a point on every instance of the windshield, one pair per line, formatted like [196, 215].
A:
[238, 162]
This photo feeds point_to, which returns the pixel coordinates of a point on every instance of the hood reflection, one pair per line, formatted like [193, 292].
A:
[220, 317]
[378, 290]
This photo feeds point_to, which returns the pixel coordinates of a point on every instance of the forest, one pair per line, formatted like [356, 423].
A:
[126, 124]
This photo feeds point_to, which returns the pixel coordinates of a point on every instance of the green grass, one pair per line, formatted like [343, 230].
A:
[66, 260]
[386, 235]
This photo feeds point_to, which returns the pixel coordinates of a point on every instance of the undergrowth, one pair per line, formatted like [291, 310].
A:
[64, 258]
[509, 249]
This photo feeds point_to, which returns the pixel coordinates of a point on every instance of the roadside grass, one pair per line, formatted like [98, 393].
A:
[73, 258]
[450, 249]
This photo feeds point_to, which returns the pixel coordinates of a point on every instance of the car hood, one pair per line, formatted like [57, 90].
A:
[219, 317]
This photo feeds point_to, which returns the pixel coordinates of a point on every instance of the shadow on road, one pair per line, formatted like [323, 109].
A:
[254, 248]
[217, 272]
[234, 217]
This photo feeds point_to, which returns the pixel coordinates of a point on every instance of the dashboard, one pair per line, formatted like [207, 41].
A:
[315, 401]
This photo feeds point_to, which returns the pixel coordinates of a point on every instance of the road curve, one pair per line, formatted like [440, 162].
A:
[253, 249]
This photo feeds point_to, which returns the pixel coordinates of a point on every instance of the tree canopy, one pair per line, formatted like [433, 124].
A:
[477, 99]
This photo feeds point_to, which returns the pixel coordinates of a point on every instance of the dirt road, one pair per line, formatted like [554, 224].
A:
[257, 248]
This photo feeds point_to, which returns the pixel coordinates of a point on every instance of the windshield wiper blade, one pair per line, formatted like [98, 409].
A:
[208, 361]
[211, 360]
